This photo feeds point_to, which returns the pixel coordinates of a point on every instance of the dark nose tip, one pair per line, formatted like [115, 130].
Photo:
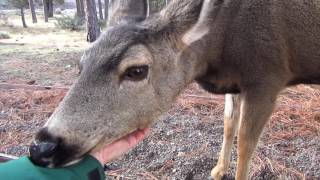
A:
[43, 149]
[40, 152]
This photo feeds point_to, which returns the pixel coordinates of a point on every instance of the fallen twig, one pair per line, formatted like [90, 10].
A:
[6, 157]
[9, 86]
[148, 175]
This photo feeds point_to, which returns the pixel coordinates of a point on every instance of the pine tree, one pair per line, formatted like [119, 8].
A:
[92, 21]
[33, 12]
[21, 4]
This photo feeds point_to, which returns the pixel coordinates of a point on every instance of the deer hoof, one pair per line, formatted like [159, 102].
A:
[217, 173]
[224, 177]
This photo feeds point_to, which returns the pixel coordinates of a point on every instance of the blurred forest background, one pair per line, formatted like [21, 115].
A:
[71, 14]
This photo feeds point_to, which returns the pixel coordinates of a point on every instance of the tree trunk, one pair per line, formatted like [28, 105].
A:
[50, 8]
[92, 21]
[45, 10]
[33, 12]
[83, 13]
[80, 9]
[22, 18]
[106, 9]
[148, 8]
[100, 9]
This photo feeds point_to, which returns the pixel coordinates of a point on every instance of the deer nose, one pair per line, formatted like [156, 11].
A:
[43, 149]
[50, 150]
[41, 152]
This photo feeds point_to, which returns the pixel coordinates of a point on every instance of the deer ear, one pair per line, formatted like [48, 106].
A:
[180, 16]
[127, 11]
[196, 33]
[201, 27]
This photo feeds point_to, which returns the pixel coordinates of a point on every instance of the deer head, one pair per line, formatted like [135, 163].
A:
[129, 76]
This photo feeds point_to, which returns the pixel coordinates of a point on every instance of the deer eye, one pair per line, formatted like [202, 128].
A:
[136, 73]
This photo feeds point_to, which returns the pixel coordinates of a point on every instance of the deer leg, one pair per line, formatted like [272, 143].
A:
[231, 119]
[256, 107]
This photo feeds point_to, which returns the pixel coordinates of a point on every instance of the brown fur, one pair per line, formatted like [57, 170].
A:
[254, 48]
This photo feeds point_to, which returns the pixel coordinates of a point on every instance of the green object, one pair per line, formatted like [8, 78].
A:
[23, 169]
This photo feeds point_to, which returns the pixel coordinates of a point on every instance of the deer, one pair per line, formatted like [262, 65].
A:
[248, 50]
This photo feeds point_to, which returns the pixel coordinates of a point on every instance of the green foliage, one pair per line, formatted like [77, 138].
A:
[19, 3]
[58, 1]
[4, 19]
[157, 5]
[4, 3]
[102, 23]
[4, 35]
[73, 23]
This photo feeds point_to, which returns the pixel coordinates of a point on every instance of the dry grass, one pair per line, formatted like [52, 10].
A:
[295, 119]
[299, 109]
[39, 52]
[292, 135]
[40, 34]
[22, 113]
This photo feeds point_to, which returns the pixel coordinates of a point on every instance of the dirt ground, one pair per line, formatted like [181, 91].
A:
[39, 52]
[184, 143]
